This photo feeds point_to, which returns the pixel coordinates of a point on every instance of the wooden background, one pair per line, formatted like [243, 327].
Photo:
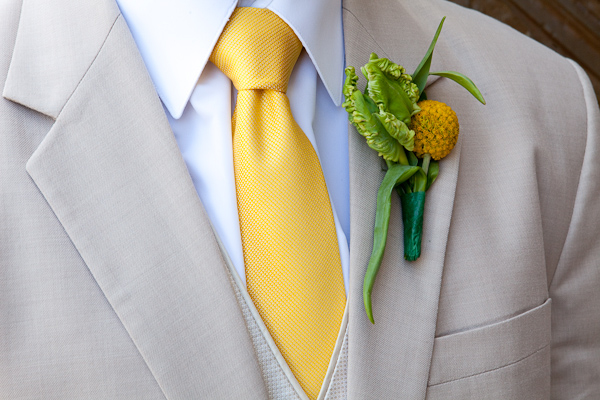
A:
[570, 27]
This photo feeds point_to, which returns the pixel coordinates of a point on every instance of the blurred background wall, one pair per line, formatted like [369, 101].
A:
[570, 27]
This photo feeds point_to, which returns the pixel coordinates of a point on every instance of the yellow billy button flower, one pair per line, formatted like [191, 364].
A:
[436, 129]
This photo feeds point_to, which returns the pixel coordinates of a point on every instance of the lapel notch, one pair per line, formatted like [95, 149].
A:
[56, 43]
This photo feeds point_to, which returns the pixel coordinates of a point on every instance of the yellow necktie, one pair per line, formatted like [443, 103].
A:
[293, 268]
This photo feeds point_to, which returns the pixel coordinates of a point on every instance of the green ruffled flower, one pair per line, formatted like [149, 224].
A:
[391, 88]
[397, 129]
[383, 113]
[362, 112]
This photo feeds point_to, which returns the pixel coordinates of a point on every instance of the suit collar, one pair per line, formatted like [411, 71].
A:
[63, 48]
[111, 171]
[392, 357]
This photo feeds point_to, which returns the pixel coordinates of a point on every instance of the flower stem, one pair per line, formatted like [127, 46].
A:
[426, 161]
[390, 164]
[402, 157]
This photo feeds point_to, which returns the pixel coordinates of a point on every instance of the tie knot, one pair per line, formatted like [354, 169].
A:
[257, 50]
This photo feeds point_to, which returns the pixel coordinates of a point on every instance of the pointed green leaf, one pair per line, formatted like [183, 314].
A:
[393, 177]
[422, 72]
[463, 81]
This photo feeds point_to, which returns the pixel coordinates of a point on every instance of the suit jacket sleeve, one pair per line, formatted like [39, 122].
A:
[575, 286]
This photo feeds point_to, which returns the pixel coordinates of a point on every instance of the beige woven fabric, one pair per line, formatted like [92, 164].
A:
[277, 382]
[338, 386]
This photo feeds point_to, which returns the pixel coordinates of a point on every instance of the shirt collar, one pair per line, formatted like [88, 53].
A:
[176, 38]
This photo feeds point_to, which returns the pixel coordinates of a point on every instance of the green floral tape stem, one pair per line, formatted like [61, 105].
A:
[413, 205]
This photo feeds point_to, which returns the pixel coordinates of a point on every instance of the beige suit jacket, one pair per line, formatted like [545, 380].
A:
[112, 285]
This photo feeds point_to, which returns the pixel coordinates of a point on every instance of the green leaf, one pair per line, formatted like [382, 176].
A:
[422, 72]
[393, 177]
[463, 81]
[432, 173]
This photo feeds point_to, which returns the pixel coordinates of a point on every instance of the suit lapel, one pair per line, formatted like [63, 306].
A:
[113, 175]
[391, 359]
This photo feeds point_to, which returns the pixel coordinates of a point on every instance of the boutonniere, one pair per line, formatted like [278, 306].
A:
[411, 133]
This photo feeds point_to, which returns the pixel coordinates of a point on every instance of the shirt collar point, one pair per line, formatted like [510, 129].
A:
[174, 108]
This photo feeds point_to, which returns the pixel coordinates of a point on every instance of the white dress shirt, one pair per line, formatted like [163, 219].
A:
[176, 38]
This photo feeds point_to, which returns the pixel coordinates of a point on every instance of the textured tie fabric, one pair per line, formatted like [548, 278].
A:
[291, 255]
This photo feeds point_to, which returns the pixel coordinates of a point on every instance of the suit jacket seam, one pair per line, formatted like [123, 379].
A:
[89, 66]
[587, 125]
[367, 31]
[491, 370]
